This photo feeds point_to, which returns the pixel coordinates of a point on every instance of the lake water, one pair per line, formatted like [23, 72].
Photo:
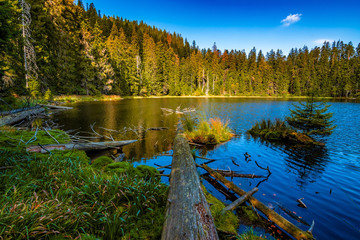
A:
[327, 178]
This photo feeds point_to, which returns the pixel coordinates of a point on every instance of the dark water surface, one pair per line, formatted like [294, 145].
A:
[327, 178]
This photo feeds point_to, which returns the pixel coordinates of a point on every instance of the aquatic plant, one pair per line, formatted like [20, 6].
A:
[210, 132]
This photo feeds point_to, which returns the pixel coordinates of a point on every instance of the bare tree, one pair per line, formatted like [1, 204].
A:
[29, 51]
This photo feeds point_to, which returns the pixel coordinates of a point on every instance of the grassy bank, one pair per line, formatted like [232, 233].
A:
[60, 196]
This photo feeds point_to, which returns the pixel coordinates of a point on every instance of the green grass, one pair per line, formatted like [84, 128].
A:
[207, 131]
[60, 196]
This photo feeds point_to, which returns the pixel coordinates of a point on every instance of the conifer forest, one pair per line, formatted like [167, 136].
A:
[70, 48]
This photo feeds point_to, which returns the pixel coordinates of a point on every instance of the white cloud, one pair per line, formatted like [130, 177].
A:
[321, 41]
[292, 18]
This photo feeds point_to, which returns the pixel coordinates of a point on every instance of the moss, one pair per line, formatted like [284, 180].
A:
[13, 138]
[249, 217]
[227, 221]
[120, 167]
[147, 172]
[101, 162]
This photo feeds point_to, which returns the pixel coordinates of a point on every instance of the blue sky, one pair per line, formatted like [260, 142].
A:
[244, 24]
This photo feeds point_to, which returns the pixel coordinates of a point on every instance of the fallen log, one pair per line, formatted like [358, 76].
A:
[227, 173]
[290, 228]
[16, 110]
[157, 128]
[240, 200]
[229, 195]
[79, 146]
[16, 117]
[56, 106]
[187, 212]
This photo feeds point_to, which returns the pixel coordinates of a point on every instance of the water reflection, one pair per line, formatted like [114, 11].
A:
[308, 163]
[326, 177]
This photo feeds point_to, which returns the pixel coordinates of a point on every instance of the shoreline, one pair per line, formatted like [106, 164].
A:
[84, 98]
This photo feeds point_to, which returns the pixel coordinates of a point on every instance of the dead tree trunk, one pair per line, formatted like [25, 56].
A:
[293, 230]
[16, 117]
[187, 215]
[79, 146]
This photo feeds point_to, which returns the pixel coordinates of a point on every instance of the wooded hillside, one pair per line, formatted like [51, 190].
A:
[80, 51]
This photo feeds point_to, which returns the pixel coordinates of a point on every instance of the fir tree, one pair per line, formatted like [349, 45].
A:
[311, 118]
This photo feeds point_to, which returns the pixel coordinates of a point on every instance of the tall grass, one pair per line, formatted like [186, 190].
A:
[60, 195]
[207, 131]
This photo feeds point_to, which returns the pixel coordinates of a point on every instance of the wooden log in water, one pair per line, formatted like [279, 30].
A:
[227, 173]
[79, 146]
[187, 212]
[290, 228]
[17, 117]
[240, 200]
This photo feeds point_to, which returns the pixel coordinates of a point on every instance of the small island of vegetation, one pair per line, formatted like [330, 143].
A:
[306, 120]
[207, 131]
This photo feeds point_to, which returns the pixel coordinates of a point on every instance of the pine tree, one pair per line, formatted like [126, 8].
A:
[311, 118]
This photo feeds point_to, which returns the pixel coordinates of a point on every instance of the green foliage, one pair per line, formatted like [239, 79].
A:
[48, 96]
[80, 52]
[311, 118]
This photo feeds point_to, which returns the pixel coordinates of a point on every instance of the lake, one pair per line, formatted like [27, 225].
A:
[327, 178]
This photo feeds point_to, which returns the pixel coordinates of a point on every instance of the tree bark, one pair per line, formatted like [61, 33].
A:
[79, 146]
[187, 215]
[294, 231]
[16, 117]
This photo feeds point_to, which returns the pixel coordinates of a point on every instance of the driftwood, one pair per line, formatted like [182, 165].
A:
[293, 215]
[241, 200]
[293, 230]
[187, 212]
[56, 107]
[227, 173]
[79, 146]
[16, 117]
[301, 203]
